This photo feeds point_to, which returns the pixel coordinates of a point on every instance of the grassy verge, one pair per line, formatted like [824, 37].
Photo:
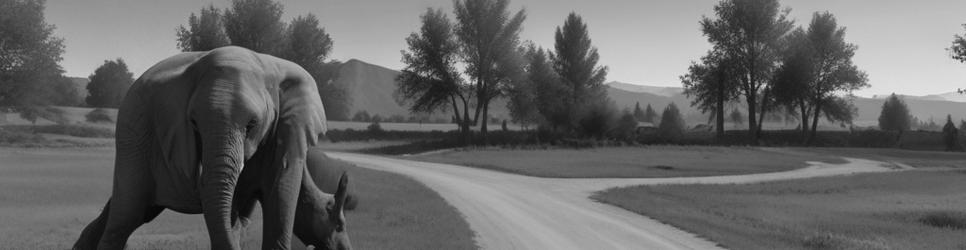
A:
[902, 210]
[629, 162]
[920, 159]
[48, 195]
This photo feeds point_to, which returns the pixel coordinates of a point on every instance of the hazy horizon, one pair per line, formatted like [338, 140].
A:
[901, 43]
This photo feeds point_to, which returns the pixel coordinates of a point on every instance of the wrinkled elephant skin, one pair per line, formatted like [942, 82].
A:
[216, 133]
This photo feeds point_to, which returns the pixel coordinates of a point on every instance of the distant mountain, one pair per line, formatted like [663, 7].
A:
[934, 107]
[949, 96]
[370, 88]
[661, 91]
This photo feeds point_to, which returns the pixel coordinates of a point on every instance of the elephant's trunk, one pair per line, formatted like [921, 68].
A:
[222, 163]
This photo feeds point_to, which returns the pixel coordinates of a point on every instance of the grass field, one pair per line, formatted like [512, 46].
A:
[48, 195]
[629, 162]
[899, 210]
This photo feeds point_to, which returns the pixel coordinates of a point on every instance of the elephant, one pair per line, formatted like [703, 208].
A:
[214, 133]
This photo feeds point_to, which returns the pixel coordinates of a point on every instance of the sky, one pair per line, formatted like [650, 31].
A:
[901, 44]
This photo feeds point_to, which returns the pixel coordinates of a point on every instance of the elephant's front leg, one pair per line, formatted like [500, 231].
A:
[216, 197]
[281, 199]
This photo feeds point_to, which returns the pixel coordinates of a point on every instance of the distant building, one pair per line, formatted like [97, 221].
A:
[645, 127]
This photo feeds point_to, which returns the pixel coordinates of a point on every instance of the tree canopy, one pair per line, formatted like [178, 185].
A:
[489, 39]
[749, 32]
[256, 25]
[205, 31]
[29, 55]
[575, 62]
[109, 84]
[895, 115]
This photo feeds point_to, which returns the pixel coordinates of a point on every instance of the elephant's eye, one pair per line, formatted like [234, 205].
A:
[251, 125]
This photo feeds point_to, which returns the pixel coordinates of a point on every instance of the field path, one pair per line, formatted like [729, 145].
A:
[509, 211]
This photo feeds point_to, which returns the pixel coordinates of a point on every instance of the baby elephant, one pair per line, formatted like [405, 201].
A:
[214, 133]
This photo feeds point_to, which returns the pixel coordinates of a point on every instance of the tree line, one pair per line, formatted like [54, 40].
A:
[257, 25]
[758, 54]
[463, 65]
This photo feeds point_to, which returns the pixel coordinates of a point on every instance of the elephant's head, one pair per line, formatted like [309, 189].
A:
[243, 100]
[319, 218]
[242, 105]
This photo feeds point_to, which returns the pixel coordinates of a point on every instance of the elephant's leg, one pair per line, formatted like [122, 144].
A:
[92, 233]
[279, 204]
[131, 201]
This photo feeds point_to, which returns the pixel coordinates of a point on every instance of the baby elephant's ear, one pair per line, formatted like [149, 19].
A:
[336, 211]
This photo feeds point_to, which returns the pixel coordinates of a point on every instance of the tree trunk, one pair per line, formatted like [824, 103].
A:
[752, 123]
[486, 106]
[719, 121]
[803, 107]
[818, 110]
[761, 116]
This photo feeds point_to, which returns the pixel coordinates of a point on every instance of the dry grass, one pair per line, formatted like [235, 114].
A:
[48, 195]
[629, 162]
[902, 210]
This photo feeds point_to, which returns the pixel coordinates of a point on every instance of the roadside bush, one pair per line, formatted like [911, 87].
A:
[98, 115]
[375, 128]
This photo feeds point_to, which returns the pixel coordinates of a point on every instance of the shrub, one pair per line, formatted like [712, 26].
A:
[361, 116]
[597, 118]
[374, 127]
[945, 219]
[951, 135]
[672, 124]
[98, 115]
[625, 127]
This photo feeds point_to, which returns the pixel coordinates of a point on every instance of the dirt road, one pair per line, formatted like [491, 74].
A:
[510, 211]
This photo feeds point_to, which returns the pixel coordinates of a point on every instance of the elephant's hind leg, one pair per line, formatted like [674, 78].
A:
[131, 199]
[92, 233]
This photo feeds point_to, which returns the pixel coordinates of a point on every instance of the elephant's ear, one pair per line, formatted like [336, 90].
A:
[301, 113]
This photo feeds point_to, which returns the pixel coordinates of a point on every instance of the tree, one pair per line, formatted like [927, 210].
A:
[256, 25]
[749, 32]
[649, 114]
[308, 45]
[958, 50]
[672, 123]
[736, 117]
[524, 95]
[64, 92]
[962, 127]
[489, 40]
[204, 32]
[895, 115]
[712, 84]
[832, 71]
[951, 135]
[548, 89]
[109, 84]
[29, 56]
[575, 62]
[638, 112]
[430, 79]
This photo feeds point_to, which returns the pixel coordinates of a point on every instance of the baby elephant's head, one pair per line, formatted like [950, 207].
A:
[319, 220]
